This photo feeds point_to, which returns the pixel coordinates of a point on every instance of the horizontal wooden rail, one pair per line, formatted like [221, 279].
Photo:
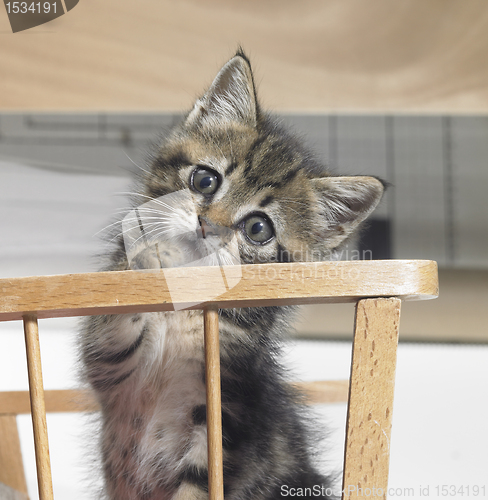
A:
[178, 288]
[62, 401]
[78, 400]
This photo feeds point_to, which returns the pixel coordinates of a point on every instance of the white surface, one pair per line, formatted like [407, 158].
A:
[49, 219]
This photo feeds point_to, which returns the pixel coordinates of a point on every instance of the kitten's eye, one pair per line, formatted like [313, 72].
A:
[258, 229]
[205, 181]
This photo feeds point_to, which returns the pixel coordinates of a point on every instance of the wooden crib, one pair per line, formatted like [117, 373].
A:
[377, 287]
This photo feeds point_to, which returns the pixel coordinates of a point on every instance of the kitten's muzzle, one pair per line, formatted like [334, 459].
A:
[209, 230]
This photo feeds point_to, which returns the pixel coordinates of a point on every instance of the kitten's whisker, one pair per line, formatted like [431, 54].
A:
[117, 223]
[134, 220]
[133, 193]
[157, 211]
[159, 203]
[147, 234]
[136, 165]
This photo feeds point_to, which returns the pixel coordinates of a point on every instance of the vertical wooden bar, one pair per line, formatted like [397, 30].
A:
[214, 411]
[367, 450]
[38, 408]
[11, 465]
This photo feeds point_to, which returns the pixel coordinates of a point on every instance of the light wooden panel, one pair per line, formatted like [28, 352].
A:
[311, 55]
[268, 284]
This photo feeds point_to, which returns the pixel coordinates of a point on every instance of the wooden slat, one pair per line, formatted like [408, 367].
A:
[214, 411]
[63, 400]
[78, 400]
[368, 429]
[267, 284]
[11, 465]
[325, 391]
[36, 388]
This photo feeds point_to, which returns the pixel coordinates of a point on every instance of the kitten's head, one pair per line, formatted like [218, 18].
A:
[242, 176]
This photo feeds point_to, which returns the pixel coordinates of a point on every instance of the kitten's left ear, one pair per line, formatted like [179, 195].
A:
[231, 97]
[343, 203]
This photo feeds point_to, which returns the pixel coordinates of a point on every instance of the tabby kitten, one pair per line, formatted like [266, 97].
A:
[229, 172]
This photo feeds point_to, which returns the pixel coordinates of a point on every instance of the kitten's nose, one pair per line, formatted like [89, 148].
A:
[207, 228]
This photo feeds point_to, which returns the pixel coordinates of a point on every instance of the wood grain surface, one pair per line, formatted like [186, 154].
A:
[370, 408]
[214, 405]
[80, 400]
[267, 284]
[38, 408]
[13, 403]
[313, 55]
[57, 401]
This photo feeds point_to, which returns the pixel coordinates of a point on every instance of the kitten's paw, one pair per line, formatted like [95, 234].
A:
[146, 258]
[190, 492]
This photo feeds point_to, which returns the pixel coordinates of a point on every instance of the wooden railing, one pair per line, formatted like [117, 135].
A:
[377, 286]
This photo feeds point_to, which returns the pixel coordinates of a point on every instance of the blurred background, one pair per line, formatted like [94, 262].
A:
[394, 89]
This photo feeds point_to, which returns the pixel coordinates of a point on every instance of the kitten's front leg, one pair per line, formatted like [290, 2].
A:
[112, 348]
[146, 258]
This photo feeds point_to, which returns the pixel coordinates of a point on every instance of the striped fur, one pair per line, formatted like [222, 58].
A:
[148, 369]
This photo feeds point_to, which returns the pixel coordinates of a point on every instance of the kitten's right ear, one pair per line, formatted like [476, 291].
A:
[230, 98]
[342, 204]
